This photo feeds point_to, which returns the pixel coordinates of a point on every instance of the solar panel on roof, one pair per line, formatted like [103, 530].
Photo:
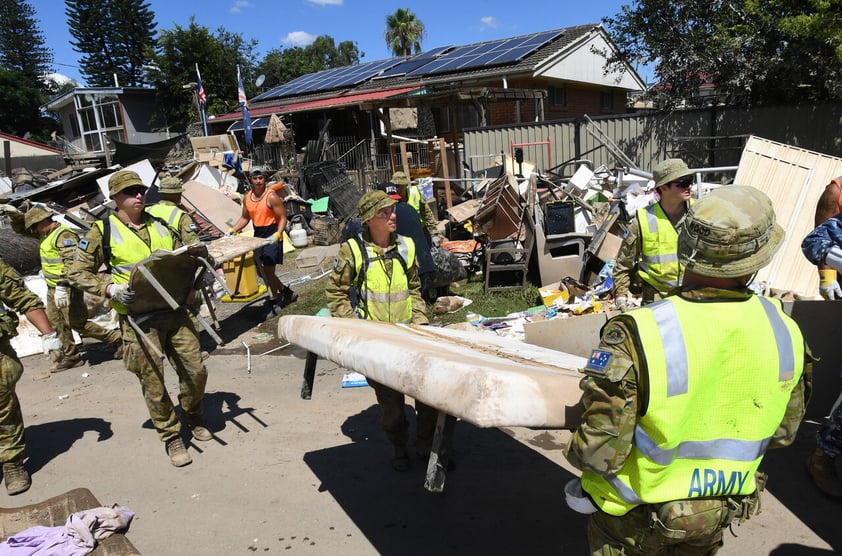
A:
[487, 53]
[329, 79]
[413, 63]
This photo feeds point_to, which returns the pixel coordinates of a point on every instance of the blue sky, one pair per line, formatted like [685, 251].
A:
[281, 23]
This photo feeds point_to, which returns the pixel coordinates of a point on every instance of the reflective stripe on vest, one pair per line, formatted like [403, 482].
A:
[383, 297]
[52, 266]
[170, 214]
[413, 199]
[659, 249]
[127, 249]
[718, 390]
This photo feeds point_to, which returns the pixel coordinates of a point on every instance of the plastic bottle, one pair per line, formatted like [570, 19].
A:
[298, 235]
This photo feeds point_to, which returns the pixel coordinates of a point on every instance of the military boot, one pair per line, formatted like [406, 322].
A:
[178, 453]
[16, 477]
[67, 363]
[400, 458]
[198, 428]
[822, 469]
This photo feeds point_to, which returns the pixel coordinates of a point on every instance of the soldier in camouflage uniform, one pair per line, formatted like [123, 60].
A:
[375, 277]
[66, 307]
[169, 210]
[683, 396]
[15, 295]
[134, 234]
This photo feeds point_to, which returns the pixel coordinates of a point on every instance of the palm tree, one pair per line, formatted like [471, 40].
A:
[404, 32]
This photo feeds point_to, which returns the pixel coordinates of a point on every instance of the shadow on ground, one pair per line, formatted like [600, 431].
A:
[502, 497]
[46, 441]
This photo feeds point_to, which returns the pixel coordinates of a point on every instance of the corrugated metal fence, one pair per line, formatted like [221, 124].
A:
[703, 137]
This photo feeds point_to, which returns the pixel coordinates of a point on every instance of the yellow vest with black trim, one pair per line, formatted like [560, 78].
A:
[383, 297]
[51, 264]
[658, 264]
[719, 375]
[127, 249]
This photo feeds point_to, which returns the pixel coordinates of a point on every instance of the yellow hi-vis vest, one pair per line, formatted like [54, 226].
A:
[719, 375]
[383, 297]
[170, 214]
[127, 249]
[51, 264]
[659, 249]
[413, 199]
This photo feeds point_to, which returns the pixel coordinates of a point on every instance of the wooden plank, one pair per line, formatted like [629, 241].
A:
[481, 378]
[216, 207]
[794, 179]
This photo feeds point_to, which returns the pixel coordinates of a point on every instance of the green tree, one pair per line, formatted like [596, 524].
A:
[19, 111]
[756, 52]
[283, 65]
[174, 69]
[114, 37]
[22, 46]
[404, 32]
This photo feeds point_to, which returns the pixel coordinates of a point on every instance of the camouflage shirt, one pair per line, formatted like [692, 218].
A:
[66, 243]
[88, 259]
[604, 439]
[340, 281]
[15, 295]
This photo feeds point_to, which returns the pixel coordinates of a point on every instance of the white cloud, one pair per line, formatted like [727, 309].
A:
[326, 2]
[239, 5]
[59, 79]
[488, 22]
[298, 38]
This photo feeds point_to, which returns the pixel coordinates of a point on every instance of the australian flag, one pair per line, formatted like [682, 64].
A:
[241, 95]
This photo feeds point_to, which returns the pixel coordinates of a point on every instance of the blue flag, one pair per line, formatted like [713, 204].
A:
[241, 95]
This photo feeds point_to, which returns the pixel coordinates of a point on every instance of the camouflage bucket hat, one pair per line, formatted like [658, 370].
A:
[399, 178]
[670, 170]
[371, 202]
[170, 186]
[730, 233]
[123, 180]
[35, 215]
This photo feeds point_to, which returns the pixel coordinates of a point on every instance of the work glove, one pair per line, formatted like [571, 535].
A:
[50, 343]
[828, 285]
[62, 297]
[120, 293]
[8, 209]
[277, 236]
[230, 232]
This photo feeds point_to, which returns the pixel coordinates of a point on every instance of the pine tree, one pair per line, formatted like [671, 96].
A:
[115, 37]
[22, 46]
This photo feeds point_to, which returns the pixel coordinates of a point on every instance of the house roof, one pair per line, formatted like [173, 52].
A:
[30, 143]
[316, 104]
[56, 103]
[523, 56]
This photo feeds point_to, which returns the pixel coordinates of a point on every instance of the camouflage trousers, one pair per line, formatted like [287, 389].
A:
[829, 437]
[394, 421]
[75, 317]
[11, 419]
[173, 334]
[683, 527]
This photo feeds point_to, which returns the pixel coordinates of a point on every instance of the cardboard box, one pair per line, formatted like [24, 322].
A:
[549, 294]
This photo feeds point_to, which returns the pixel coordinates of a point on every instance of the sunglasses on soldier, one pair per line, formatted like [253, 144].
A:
[683, 183]
[134, 191]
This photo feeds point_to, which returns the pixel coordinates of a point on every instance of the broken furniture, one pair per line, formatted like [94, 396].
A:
[54, 512]
[510, 235]
[486, 380]
[165, 281]
[236, 255]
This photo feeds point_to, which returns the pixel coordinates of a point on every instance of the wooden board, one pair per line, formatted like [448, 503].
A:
[481, 378]
[216, 207]
[794, 179]
[231, 247]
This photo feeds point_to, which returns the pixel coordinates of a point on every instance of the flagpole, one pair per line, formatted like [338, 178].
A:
[241, 95]
[202, 101]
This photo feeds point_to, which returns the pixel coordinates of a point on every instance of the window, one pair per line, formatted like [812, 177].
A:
[557, 96]
[606, 100]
